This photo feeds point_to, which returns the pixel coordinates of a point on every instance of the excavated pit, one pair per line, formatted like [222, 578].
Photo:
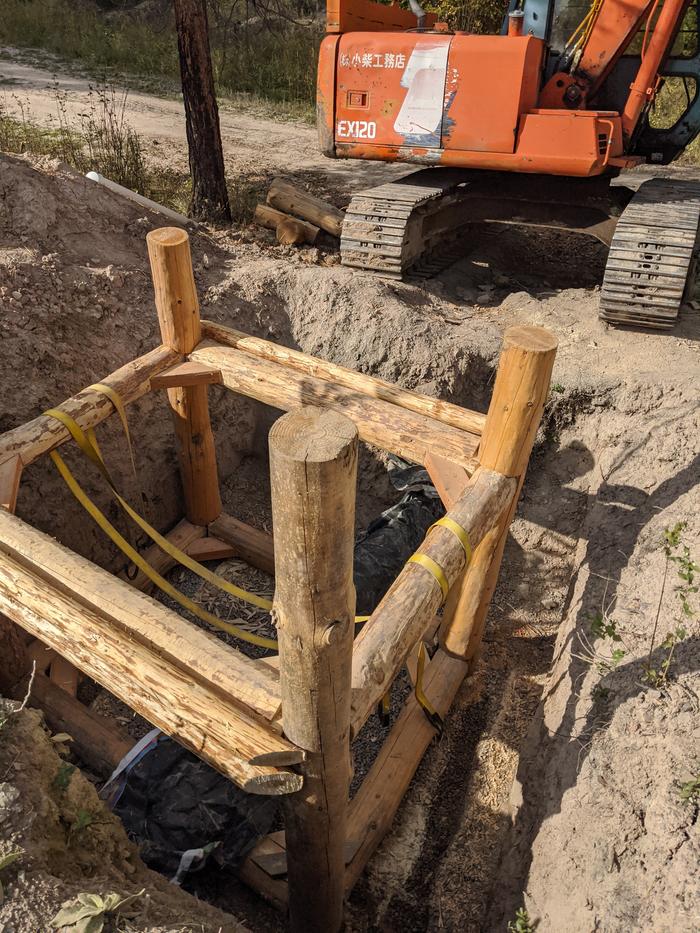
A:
[615, 463]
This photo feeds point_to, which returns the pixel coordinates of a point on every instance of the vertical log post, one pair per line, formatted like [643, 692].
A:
[178, 315]
[519, 395]
[313, 467]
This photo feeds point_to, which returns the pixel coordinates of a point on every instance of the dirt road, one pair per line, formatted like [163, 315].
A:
[252, 142]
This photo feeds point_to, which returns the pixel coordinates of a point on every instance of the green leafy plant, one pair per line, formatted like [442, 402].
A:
[677, 553]
[604, 628]
[522, 923]
[87, 913]
[84, 819]
[689, 792]
[63, 777]
[5, 862]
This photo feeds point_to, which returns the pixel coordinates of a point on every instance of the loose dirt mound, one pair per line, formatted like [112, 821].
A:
[616, 463]
[69, 843]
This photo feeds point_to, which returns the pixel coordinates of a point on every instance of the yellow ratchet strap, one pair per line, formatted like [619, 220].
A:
[144, 566]
[89, 450]
[458, 531]
[434, 568]
[114, 398]
[432, 715]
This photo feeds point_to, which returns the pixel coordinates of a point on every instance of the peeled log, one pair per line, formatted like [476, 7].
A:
[292, 200]
[267, 216]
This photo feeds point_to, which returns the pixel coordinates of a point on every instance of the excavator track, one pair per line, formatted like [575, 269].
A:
[391, 228]
[652, 256]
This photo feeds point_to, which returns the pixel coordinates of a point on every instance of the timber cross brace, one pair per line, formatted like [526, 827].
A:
[277, 726]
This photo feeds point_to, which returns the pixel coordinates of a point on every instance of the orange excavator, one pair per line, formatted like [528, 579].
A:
[527, 127]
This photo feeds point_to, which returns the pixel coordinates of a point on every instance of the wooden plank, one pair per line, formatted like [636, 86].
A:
[205, 658]
[147, 673]
[410, 435]
[313, 478]
[374, 806]
[88, 408]
[10, 476]
[186, 374]
[253, 546]
[411, 602]
[183, 535]
[100, 743]
[274, 890]
[210, 549]
[453, 415]
[450, 479]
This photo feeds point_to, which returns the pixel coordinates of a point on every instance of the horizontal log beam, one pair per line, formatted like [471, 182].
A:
[183, 535]
[372, 809]
[381, 423]
[88, 408]
[253, 546]
[186, 374]
[149, 657]
[454, 415]
[99, 742]
[411, 602]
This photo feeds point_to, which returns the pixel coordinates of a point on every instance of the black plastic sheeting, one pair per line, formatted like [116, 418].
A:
[179, 809]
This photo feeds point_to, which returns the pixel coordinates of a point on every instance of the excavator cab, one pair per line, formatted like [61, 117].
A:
[528, 126]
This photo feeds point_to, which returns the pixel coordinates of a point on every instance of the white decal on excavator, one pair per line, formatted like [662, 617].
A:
[357, 129]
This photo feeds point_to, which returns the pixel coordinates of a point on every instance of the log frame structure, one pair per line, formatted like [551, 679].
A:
[224, 706]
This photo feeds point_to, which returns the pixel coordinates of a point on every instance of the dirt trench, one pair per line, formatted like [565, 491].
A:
[527, 798]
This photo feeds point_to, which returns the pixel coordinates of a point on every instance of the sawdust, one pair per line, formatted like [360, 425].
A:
[615, 463]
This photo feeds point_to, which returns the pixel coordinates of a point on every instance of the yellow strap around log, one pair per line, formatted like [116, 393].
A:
[461, 533]
[433, 568]
[199, 569]
[144, 566]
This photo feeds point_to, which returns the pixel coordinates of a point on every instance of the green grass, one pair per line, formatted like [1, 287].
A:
[273, 63]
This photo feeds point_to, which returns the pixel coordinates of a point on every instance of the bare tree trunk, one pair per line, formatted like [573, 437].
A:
[209, 195]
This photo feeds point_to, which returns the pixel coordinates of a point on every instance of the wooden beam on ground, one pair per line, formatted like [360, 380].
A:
[410, 604]
[273, 890]
[374, 806]
[450, 479]
[186, 374]
[88, 408]
[100, 743]
[210, 549]
[64, 675]
[270, 218]
[515, 412]
[410, 435]
[445, 412]
[313, 477]
[183, 535]
[288, 198]
[253, 546]
[10, 476]
[209, 697]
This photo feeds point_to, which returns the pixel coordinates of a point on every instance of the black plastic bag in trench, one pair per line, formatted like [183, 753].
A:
[180, 810]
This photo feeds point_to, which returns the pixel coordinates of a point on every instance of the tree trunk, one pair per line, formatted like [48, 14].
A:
[209, 195]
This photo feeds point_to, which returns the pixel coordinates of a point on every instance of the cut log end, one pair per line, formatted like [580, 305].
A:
[276, 784]
[290, 232]
[531, 338]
